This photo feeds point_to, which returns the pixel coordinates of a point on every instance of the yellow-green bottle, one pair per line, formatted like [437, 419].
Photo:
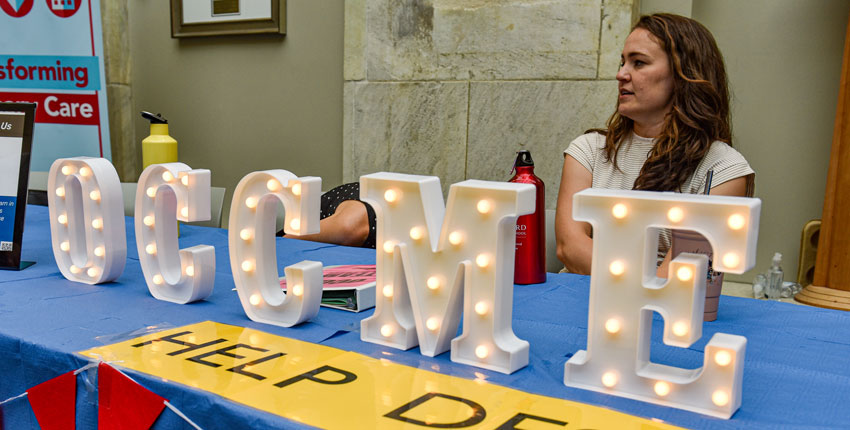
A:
[159, 147]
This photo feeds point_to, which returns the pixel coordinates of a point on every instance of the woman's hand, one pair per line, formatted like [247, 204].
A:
[575, 245]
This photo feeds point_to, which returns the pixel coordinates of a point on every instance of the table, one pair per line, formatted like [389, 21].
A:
[797, 369]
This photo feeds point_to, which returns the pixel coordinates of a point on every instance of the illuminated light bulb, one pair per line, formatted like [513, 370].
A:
[63, 219]
[433, 323]
[67, 170]
[60, 192]
[247, 265]
[731, 260]
[92, 272]
[685, 274]
[251, 202]
[613, 326]
[417, 233]
[484, 206]
[296, 189]
[617, 268]
[675, 214]
[94, 195]
[246, 234]
[255, 299]
[273, 185]
[97, 223]
[386, 330]
[481, 351]
[387, 291]
[388, 246]
[295, 224]
[184, 212]
[298, 290]
[74, 269]
[190, 270]
[151, 192]
[736, 221]
[433, 282]
[482, 260]
[455, 238]
[619, 211]
[680, 328]
[100, 251]
[148, 220]
[167, 176]
[157, 279]
[609, 379]
[720, 398]
[723, 358]
[85, 172]
[65, 246]
[662, 388]
[392, 196]
[185, 180]
[481, 308]
[151, 249]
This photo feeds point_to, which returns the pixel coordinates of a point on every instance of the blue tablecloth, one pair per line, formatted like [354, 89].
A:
[797, 369]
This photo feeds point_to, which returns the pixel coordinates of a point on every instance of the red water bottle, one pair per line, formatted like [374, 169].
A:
[530, 266]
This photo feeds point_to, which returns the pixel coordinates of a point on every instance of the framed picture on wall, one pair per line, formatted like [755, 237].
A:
[194, 18]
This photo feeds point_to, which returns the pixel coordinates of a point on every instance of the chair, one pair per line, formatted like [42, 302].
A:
[216, 203]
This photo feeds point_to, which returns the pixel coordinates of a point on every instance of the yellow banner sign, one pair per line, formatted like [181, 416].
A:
[330, 388]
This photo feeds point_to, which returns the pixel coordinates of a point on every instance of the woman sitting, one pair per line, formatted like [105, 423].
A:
[670, 128]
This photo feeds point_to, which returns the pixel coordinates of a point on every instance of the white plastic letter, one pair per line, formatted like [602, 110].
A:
[253, 258]
[624, 291]
[167, 193]
[87, 219]
[425, 261]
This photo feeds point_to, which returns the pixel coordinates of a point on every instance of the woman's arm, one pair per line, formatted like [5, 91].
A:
[575, 245]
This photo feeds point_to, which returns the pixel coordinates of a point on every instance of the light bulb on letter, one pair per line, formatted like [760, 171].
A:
[157, 279]
[680, 328]
[723, 358]
[67, 169]
[151, 249]
[482, 260]
[185, 180]
[97, 223]
[619, 211]
[60, 192]
[255, 299]
[391, 196]
[432, 324]
[455, 238]
[386, 330]
[481, 351]
[731, 260]
[295, 224]
[297, 290]
[612, 326]
[675, 214]
[617, 268]
[481, 308]
[273, 185]
[296, 189]
[151, 192]
[148, 220]
[251, 202]
[609, 379]
[167, 176]
[720, 398]
[63, 219]
[736, 221]
[433, 282]
[184, 212]
[388, 291]
[190, 270]
[662, 388]
[246, 234]
[85, 171]
[247, 265]
[92, 272]
[94, 195]
[388, 246]
[100, 251]
[484, 206]
[685, 274]
[416, 233]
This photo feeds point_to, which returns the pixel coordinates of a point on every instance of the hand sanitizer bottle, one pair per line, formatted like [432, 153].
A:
[775, 278]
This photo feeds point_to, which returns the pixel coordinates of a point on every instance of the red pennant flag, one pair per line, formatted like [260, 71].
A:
[124, 404]
[54, 402]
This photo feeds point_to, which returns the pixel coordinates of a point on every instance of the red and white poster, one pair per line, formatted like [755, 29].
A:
[51, 53]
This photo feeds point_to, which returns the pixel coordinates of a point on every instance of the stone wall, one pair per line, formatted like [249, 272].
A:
[453, 88]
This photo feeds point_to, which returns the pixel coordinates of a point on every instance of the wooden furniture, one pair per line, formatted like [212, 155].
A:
[831, 285]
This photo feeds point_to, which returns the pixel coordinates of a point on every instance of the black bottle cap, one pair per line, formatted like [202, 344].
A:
[154, 118]
[523, 158]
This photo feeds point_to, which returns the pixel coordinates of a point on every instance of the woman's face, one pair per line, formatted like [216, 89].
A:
[645, 81]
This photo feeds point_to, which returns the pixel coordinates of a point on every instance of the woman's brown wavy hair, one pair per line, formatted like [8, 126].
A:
[700, 113]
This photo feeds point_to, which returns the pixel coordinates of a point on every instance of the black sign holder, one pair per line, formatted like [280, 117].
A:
[11, 259]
